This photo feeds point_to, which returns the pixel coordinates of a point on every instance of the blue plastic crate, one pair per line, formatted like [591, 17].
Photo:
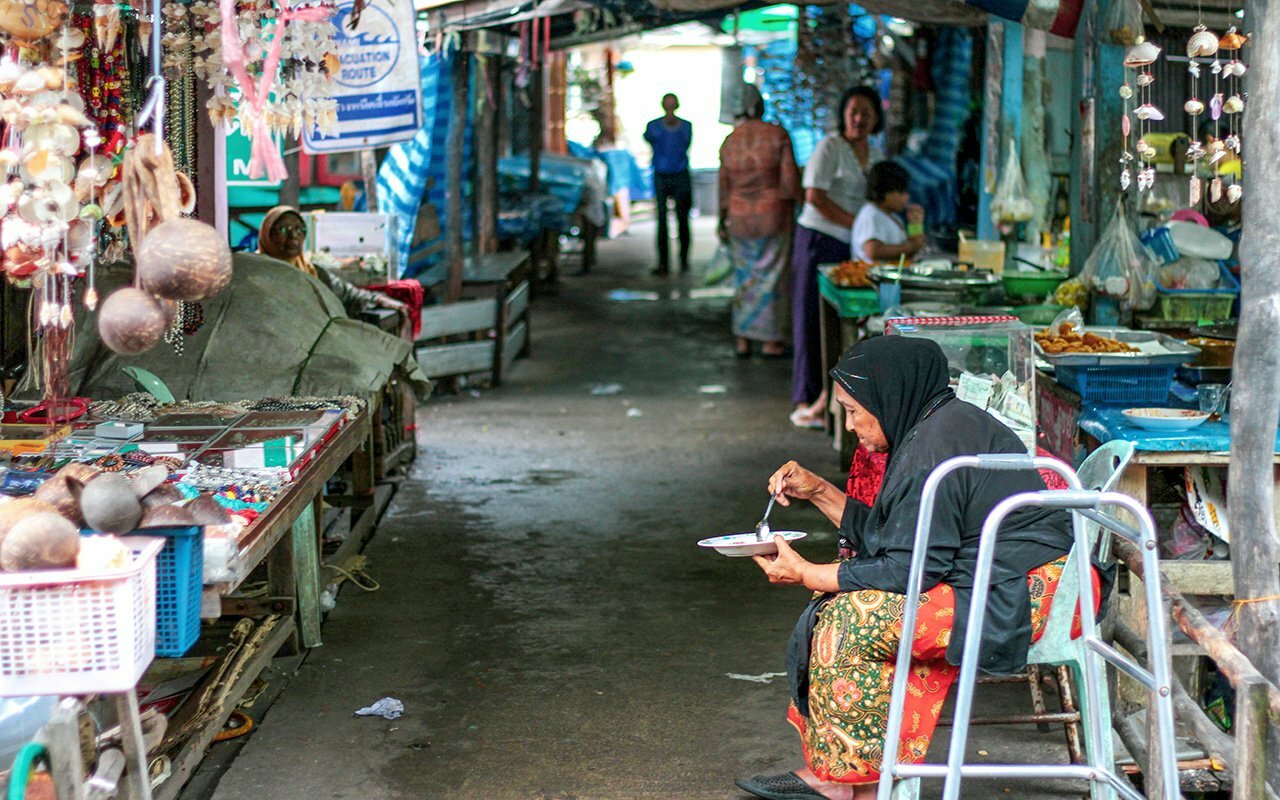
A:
[1119, 385]
[179, 583]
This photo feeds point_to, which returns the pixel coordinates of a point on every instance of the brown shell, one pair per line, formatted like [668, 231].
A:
[169, 516]
[65, 499]
[109, 504]
[207, 511]
[40, 541]
[162, 495]
[1233, 40]
[14, 511]
[131, 321]
[183, 259]
[30, 22]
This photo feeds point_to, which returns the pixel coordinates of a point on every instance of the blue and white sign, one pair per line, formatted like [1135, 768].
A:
[378, 88]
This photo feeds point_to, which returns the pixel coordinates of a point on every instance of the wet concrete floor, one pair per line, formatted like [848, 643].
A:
[545, 614]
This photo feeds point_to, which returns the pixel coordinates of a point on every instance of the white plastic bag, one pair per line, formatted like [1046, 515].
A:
[720, 266]
[1011, 203]
[1121, 267]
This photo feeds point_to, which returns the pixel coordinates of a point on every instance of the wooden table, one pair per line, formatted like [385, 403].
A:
[286, 538]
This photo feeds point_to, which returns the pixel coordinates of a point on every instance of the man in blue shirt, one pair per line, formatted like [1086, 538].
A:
[669, 136]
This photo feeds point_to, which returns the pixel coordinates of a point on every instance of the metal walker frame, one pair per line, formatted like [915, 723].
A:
[1099, 771]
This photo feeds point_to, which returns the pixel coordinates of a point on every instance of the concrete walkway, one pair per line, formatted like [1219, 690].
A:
[545, 615]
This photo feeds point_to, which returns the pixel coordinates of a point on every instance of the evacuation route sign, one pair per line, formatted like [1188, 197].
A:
[379, 87]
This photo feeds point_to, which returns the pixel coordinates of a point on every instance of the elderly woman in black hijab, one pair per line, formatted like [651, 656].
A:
[897, 400]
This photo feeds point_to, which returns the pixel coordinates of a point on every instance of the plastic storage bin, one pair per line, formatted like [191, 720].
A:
[1119, 385]
[1194, 305]
[76, 631]
[179, 582]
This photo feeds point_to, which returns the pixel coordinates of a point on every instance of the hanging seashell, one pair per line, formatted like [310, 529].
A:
[1141, 54]
[1202, 44]
[91, 298]
[1126, 91]
[1218, 155]
[1195, 190]
[1147, 111]
[1233, 105]
[1125, 126]
[1215, 190]
[1235, 69]
[1196, 151]
[1193, 107]
[29, 83]
[1215, 106]
[1216, 68]
[1193, 67]
[1125, 180]
[31, 21]
[1234, 191]
[1232, 143]
[1233, 39]
[1146, 79]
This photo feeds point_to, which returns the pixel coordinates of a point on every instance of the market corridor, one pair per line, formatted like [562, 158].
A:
[544, 613]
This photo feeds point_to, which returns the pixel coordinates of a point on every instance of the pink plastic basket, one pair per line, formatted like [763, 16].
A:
[79, 632]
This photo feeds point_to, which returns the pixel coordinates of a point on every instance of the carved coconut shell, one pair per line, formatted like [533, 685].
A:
[14, 511]
[109, 504]
[40, 541]
[163, 495]
[131, 321]
[170, 516]
[59, 492]
[148, 478]
[183, 259]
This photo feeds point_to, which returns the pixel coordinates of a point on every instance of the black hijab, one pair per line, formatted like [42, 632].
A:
[898, 379]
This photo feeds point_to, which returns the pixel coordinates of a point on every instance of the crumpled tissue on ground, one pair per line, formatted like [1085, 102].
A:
[387, 708]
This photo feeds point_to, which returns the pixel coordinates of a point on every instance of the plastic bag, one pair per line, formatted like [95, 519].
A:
[1124, 22]
[1190, 273]
[1011, 203]
[1121, 266]
[720, 266]
[1070, 317]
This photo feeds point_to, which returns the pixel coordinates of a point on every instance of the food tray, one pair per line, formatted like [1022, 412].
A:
[919, 278]
[71, 632]
[850, 301]
[1176, 352]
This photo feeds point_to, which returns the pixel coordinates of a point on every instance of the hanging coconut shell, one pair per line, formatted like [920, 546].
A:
[131, 321]
[163, 495]
[40, 541]
[58, 492]
[14, 511]
[109, 504]
[183, 259]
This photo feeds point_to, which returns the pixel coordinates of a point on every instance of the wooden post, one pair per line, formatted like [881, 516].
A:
[990, 127]
[1255, 403]
[206, 176]
[291, 189]
[460, 74]
[538, 134]
[369, 174]
[486, 148]
[1252, 729]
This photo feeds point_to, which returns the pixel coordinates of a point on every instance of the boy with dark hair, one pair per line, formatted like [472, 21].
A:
[878, 230]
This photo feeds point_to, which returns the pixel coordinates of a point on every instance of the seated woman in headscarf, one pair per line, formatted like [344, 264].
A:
[897, 400]
[283, 235]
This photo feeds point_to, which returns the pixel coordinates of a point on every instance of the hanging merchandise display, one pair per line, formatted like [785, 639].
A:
[1140, 159]
[271, 69]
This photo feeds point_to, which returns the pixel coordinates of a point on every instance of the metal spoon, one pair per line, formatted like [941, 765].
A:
[762, 527]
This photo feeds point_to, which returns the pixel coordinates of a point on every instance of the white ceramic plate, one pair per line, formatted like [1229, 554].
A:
[1165, 419]
[737, 545]
[1198, 241]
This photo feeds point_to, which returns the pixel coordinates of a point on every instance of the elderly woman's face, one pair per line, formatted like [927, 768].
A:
[290, 232]
[862, 423]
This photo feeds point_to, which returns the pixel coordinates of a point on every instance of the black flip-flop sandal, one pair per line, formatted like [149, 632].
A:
[787, 786]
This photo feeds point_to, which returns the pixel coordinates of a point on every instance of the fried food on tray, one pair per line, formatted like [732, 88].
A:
[852, 274]
[1066, 339]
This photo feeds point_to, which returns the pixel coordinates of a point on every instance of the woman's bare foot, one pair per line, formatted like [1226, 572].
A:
[774, 349]
[837, 791]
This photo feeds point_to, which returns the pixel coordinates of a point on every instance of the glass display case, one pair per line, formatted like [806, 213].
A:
[991, 361]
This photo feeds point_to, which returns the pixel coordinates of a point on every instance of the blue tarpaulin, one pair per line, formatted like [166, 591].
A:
[1107, 424]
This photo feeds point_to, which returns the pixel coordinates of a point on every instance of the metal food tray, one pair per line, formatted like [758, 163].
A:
[1179, 352]
[919, 278]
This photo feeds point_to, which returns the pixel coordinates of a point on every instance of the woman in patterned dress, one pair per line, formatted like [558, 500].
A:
[897, 400]
[759, 185]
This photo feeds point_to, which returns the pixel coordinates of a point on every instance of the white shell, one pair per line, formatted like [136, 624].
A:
[1233, 193]
[1233, 105]
[1235, 68]
[1141, 54]
[1126, 91]
[1146, 79]
[1202, 43]
[1193, 107]
[1148, 111]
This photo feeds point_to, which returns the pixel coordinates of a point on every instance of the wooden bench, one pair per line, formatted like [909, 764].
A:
[485, 332]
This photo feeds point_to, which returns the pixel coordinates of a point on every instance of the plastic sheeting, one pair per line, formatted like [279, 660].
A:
[275, 331]
[1107, 424]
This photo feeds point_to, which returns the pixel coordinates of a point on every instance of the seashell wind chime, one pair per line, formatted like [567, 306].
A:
[1140, 57]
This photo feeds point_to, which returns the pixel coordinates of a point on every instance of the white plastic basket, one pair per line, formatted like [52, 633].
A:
[79, 632]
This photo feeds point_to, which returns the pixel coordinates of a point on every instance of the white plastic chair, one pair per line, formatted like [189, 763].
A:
[1086, 655]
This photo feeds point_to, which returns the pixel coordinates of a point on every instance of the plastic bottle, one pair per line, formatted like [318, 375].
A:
[1062, 256]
